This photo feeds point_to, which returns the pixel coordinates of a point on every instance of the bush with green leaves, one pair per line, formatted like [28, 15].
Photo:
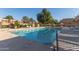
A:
[4, 26]
[17, 24]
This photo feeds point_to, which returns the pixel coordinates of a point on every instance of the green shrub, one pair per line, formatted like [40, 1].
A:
[4, 26]
[16, 24]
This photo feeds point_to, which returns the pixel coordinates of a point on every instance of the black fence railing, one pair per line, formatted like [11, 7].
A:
[57, 47]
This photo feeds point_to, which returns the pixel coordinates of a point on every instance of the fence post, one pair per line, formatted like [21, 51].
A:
[57, 40]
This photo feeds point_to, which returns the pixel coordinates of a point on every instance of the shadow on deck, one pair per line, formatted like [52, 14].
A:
[21, 44]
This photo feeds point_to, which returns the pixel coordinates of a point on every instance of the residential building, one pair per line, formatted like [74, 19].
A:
[70, 22]
[5, 22]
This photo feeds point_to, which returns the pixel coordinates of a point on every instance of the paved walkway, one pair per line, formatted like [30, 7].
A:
[68, 42]
[4, 34]
[65, 45]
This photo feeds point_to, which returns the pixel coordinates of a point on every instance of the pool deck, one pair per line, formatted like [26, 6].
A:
[66, 45]
[69, 41]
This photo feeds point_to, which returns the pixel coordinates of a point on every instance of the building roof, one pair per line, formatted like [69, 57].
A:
[67, 20]
[77, 17]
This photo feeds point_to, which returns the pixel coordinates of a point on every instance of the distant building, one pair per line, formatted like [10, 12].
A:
[70, 22]
[67, 22]
[10, 23]
[5, 22]
[30, 23]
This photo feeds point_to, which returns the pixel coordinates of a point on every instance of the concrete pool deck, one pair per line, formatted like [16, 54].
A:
[6, 35]
[69, 40]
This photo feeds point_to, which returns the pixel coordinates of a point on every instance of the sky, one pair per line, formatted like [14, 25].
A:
[57, 13]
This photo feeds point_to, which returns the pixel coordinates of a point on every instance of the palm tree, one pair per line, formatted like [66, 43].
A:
[9, 20]
[9, 17]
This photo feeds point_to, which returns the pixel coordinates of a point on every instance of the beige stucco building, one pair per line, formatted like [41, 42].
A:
[6, 22]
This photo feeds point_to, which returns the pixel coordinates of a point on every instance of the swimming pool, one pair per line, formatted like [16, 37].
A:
[44, 36]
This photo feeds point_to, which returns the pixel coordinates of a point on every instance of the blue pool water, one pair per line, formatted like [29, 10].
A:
[45, 35]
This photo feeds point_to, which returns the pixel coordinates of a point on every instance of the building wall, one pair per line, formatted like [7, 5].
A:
[70, 22]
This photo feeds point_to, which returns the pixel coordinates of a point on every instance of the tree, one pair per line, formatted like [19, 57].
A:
[44, 17]
[16, 24]
[25, 19]
[56, 21]
[32, 20]
[9, 17]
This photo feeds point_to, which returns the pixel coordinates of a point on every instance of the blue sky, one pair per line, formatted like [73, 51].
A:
[57, 13]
